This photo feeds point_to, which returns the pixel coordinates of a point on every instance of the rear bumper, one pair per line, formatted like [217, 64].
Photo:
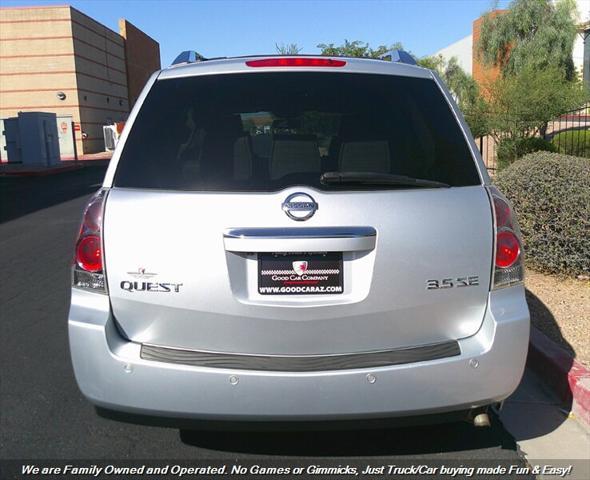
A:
[111, 374]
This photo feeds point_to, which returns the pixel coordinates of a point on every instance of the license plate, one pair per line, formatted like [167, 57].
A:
[300, 274]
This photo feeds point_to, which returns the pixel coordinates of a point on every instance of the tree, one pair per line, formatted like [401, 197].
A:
[532, 46]
[520, 106]
[533, 34]
[357, 49]
[434, 62]
[464, 90]
[287, 49]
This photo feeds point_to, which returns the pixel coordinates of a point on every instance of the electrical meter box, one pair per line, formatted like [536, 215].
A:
[39, 141]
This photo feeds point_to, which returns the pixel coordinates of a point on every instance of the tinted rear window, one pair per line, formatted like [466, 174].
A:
[268, 131]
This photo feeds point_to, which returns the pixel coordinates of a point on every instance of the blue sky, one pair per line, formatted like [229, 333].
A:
[242, 27]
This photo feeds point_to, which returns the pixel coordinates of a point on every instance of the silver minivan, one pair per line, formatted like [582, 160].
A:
[297, 238]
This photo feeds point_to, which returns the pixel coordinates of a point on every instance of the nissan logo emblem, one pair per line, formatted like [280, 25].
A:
[299, 206]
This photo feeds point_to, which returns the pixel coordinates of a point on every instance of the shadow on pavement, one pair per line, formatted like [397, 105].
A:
[21, 195]
[540, 404]
[411, 441]
[542, 318]
[549, 340]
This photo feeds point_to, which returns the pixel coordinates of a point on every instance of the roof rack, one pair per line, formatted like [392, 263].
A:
[188, 56]
[398, 56]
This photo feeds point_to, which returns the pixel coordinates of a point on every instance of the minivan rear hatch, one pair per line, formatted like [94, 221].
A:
[297, 213]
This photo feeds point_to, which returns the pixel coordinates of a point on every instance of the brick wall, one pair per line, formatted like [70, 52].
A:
[37, 61]
[50, 49]
[101, 78]
[143, 57]
[47, 50]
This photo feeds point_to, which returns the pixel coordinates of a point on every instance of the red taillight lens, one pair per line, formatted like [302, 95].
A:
[507, 249]
[296, 62]
[89, 254]
[88, 248]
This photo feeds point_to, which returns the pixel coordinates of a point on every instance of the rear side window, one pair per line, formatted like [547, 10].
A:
[268, 131]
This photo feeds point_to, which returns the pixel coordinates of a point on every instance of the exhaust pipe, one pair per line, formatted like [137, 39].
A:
[479, 417]
[481, 420]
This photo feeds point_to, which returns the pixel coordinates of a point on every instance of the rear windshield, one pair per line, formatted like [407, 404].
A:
[268, 131]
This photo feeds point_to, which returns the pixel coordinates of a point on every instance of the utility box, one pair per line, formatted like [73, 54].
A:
[11, 140]
[3, 155]
[39, 142]
[110, 137]
[111, 134]
[65, 134]
[31, 139]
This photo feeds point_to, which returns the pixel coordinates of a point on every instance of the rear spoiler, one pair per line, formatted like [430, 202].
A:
[398, 56]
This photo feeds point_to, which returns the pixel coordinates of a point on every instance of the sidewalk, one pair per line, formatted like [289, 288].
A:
[544, 431]
[568, 379]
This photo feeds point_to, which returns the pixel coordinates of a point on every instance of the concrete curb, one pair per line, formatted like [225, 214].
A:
[567, 377]
[44, 171]
[39, 172]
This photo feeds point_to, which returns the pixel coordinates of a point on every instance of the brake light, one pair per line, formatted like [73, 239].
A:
[507, 249]
[296, 62]
[89, 254]
[508, 261]
[88, 264]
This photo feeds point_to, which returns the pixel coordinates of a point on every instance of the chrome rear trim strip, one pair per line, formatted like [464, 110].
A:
[303, 232]
[301, 363]
[305, 239]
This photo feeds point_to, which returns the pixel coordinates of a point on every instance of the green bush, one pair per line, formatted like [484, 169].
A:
[573, 142]
[510, 150]
[550, 193]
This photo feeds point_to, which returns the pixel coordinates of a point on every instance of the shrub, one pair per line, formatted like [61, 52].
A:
[573, 142]
[510, 150]
[550, 193]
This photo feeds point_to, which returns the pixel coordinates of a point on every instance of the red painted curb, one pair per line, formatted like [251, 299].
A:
[566, 376]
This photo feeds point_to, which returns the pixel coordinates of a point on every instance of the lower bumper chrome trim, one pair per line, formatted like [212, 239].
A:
[303, 363]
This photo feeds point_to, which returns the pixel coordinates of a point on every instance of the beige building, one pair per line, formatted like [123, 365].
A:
[57, 59]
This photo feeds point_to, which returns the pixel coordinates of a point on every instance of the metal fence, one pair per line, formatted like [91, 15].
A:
[487, 147]
[569, 133]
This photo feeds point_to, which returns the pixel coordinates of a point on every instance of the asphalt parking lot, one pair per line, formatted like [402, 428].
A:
[44, 416]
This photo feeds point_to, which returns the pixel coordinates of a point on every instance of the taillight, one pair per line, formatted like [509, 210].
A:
[296, 62]
[89, 254]
[508, 261]
[88, 260]
[507, 249]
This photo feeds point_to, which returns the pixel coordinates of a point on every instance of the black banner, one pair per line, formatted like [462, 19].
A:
[373, 468]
